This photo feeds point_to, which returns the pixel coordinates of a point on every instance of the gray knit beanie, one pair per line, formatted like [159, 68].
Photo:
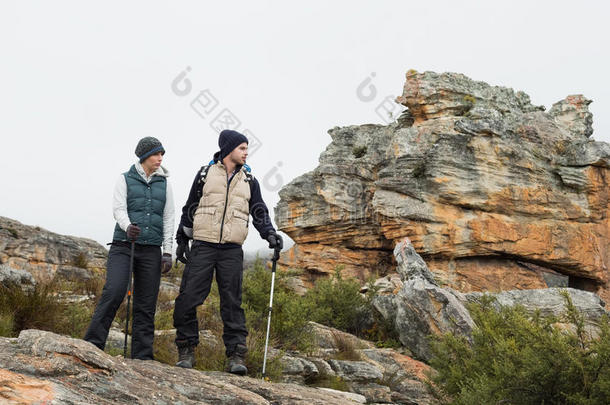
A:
[148, 146]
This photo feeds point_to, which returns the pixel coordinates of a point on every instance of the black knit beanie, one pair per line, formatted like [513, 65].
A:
[229, 140]
[148, 146]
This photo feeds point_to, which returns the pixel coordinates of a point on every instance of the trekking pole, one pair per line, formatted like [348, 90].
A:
[133, 246]
[276, 256]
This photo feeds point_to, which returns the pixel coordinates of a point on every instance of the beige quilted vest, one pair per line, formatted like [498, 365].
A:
[223, 217]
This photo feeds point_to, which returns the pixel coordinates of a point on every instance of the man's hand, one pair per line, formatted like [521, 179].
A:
[183, 252]
[275, 241]
[133, 231]
[166, 263]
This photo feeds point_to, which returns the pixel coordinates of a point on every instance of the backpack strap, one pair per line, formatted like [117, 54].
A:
[246, 169]
[203, 173]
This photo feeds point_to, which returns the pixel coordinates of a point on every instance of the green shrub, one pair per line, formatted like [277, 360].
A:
[290, 312]
[208, 314]
[91, 287]
[75, 319]
[394, 378]
[337, 302]
[115, 351]
[256, 354]
[164, 349]
[381, 331]
[164, 319]
[81, 260]
[42, 308]
[334, 382]
[333, 301]
[38, 308]
[346, 349]
[6, 324]
[516, 358]
[208, 356]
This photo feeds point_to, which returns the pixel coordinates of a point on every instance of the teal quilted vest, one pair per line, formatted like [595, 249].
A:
[145, 205]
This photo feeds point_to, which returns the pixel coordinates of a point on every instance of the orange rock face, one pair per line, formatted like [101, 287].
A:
[494, 193]
[20, 389]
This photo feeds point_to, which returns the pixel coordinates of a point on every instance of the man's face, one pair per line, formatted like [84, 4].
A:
[239, 154]
[153, 162]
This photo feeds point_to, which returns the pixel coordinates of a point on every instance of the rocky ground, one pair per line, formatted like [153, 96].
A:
[42, 367]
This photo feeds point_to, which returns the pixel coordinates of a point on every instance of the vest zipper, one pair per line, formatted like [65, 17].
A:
[222, 223]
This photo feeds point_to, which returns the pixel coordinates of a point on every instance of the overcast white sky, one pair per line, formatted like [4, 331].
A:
[81, 83]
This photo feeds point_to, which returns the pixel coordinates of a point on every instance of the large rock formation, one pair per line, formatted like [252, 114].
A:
[46, 254]
[494, 193]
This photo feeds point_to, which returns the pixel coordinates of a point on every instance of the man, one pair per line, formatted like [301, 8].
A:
[216, 217]
[143, 208]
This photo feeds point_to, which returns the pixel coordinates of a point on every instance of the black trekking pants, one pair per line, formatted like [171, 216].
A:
[195, 287]
[146, 279]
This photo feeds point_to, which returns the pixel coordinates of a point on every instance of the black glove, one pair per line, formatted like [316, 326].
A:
[183, 250]
[275, 241]
[166, 263]
[133, 231]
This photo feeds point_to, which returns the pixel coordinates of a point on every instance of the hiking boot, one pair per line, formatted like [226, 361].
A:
[237, 364]
[186, 357]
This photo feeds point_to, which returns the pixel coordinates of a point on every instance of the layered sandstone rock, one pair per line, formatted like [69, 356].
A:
[494, 193]
[45, 254]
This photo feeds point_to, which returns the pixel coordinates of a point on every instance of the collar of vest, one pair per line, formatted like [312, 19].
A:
[161, 171]
[134, 173]
[244, 166]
